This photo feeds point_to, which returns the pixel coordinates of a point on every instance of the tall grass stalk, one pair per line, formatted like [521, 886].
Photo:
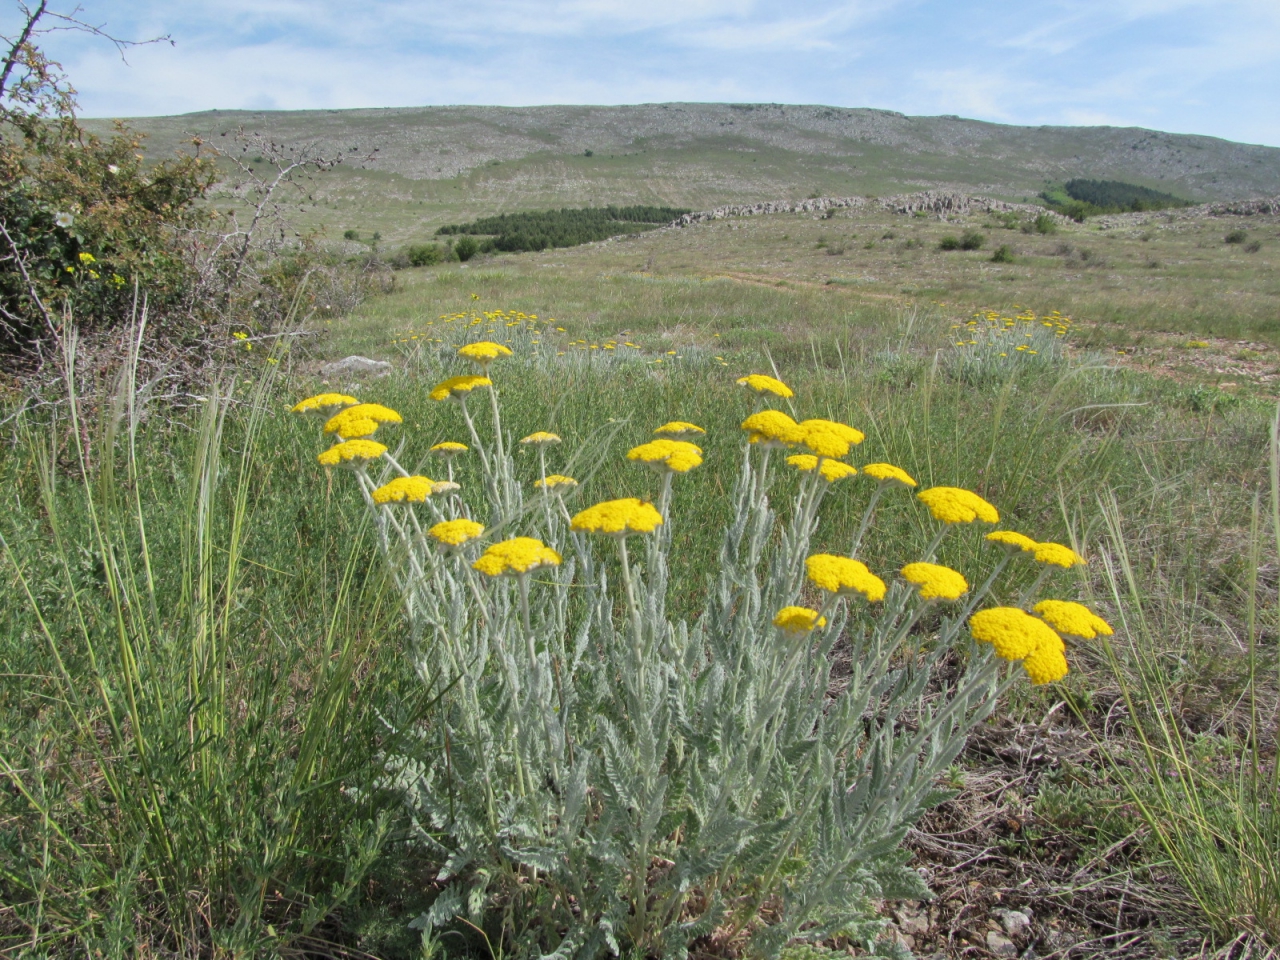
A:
[191, 783]
[1210, 807]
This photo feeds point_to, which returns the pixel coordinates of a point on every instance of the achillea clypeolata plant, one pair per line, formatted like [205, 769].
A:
[605, 780]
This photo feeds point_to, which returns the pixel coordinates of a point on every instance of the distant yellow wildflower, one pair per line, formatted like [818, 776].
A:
[831, 470]
[677, 456]
[484, 352]
[1012, 540]
[763, 384]
[935, 581]
[458, 387]
[516, 556]
[844, 576]
[404, 490]
[1072, 618]
[888, 473]
[454, 533]
[618, 518]
[954, 505]
[541, 438]
[1014, 633]
[324, 403]
[798, 619]
[679, 430]
[449, 448]
[355, 453]
[554, 480]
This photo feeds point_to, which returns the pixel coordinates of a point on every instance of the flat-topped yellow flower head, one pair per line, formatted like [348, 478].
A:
[1046, 665]
[848, 434]
[679, 430]
[763, 384]
[798, 620]
[772, 428]
[457, 388]
[1014, 633]
[830, 471]
[555, 481]
[351, 428]
[675, 456]
[454, 533]
[888, 473]
[823, 442]
[362, 420]
[935, 581]
[449, 448]
[352, 453]
[484, 352]
[404, 490]
[540, 438]
[1058, 555]
[955, 505]
[1072, 618]
[325, 404]
[516, 556]
[1013, 540]
[618, 518]
[844, 576]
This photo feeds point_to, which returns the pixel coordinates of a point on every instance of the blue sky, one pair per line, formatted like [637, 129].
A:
[1188, 66]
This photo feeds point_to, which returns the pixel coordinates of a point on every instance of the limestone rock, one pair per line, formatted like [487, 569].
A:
[351, 367]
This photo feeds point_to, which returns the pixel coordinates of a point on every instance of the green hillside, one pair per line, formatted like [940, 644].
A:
[438, 165]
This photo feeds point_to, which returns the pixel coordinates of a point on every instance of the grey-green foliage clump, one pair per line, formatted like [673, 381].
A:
[605, 780]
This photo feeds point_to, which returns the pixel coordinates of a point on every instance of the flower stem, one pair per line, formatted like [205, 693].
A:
[867, 516]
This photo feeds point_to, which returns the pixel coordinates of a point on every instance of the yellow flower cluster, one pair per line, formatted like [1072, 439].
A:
[843, 576]
[404, 490]
[359, 421]
[458, 387]
[541, 438]
[955, 505]
[448, 448]
[516, 556]
[765, 384]
[1071, 618]
[830, 471]
[1058, 555]
[992, 327]
[798, 620]
[554, 480]
[324, 403]
[1016, 635]
[454, 533]
[678, 429]
[676, 456]
[1013, 540]
[618, 518]
[354, 453]
[935, 581]
[888, 473]
[484, 352]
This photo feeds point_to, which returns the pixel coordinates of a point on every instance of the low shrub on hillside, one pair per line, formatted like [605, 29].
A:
[605, 779]
[538, 230]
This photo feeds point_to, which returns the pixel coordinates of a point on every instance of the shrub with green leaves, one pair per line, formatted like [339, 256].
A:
[604, 779]
[83, 218]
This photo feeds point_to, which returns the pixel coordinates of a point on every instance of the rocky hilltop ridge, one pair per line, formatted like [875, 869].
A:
[740, 150]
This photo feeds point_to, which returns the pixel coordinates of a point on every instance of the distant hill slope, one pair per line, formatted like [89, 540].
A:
[440, 163]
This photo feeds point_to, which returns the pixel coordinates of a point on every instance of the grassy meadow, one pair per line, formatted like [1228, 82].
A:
[204, 662]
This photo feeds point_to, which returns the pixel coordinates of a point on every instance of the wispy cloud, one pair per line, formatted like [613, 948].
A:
[1207, 66]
